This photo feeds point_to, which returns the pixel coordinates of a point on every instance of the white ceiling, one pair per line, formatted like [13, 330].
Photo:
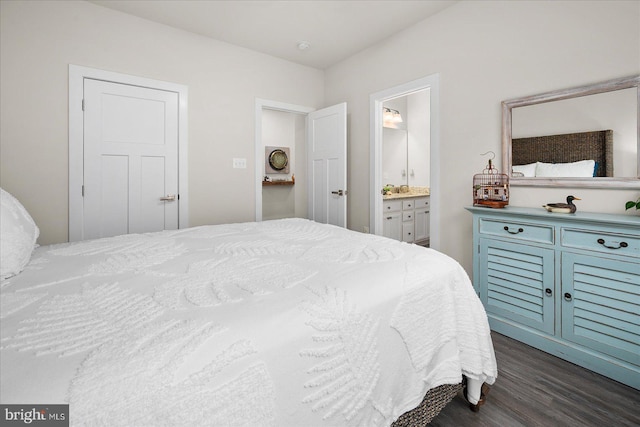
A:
[335, 30]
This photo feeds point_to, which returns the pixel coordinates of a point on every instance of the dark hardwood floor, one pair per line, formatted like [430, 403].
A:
[537, 389]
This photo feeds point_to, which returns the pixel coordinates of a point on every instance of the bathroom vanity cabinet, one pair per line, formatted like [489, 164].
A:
[568, 284]
[407, 219]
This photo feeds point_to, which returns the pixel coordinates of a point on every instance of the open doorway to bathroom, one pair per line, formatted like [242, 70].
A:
[406, 142]
[405, 154]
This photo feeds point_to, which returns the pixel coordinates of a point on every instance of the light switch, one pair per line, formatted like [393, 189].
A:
[239, 163]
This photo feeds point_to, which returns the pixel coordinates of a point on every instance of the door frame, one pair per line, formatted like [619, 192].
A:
[265, 104]
[77, 74]
[376, 102]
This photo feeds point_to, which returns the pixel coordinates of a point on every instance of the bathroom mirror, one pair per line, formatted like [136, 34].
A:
[611, 107]
[394, 157]
[406, 142]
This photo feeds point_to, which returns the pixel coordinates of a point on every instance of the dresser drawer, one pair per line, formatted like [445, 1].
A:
[392, 205]
[613, 243]
[408, 204]
[517, 230]
[407, 233]
[407, 216]
[422, 202]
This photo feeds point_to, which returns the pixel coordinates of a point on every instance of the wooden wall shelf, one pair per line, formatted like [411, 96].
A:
[266, 183]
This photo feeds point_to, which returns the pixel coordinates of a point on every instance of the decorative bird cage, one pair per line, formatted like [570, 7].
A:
[491, 188]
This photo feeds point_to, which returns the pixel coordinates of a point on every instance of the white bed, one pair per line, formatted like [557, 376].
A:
[278, 323]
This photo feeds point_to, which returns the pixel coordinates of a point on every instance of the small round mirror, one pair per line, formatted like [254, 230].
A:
[278, 159]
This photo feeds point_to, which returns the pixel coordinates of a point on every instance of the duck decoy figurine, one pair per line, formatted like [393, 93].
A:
[568, 207]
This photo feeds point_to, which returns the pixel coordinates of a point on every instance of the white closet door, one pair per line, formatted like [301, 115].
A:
[130, 159]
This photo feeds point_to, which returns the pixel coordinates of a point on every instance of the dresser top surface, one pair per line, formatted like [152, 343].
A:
[542, 214]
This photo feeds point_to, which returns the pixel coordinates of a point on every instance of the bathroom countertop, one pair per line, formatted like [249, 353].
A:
[404, 195]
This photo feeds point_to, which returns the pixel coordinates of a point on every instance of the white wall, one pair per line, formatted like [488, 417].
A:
[485, 52]
[39, 39]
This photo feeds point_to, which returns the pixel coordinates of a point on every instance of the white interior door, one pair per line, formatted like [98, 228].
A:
[130, 159]
[327, 168]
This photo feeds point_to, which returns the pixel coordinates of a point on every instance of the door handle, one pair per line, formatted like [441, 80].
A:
[340, 192]
[168, 198]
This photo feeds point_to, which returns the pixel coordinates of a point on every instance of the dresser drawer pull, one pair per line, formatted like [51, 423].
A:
[548, 292]
[621, 245]
[567, 296]
[389, 217]
[506, 228]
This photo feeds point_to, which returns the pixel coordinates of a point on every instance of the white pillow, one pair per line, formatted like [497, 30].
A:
[528, 171]
[581, 169]
[18, 235]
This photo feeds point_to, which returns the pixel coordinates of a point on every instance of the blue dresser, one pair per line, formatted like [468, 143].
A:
[568, 284]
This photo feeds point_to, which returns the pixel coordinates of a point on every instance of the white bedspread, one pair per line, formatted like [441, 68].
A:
[278, 323]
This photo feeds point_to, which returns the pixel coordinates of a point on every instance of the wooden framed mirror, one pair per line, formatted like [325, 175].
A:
[586, 136]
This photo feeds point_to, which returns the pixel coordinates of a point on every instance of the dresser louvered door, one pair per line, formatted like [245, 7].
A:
[600, 300]
[517, 283]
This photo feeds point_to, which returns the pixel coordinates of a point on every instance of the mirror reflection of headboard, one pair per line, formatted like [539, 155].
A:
[571, 147]
[627, 176]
